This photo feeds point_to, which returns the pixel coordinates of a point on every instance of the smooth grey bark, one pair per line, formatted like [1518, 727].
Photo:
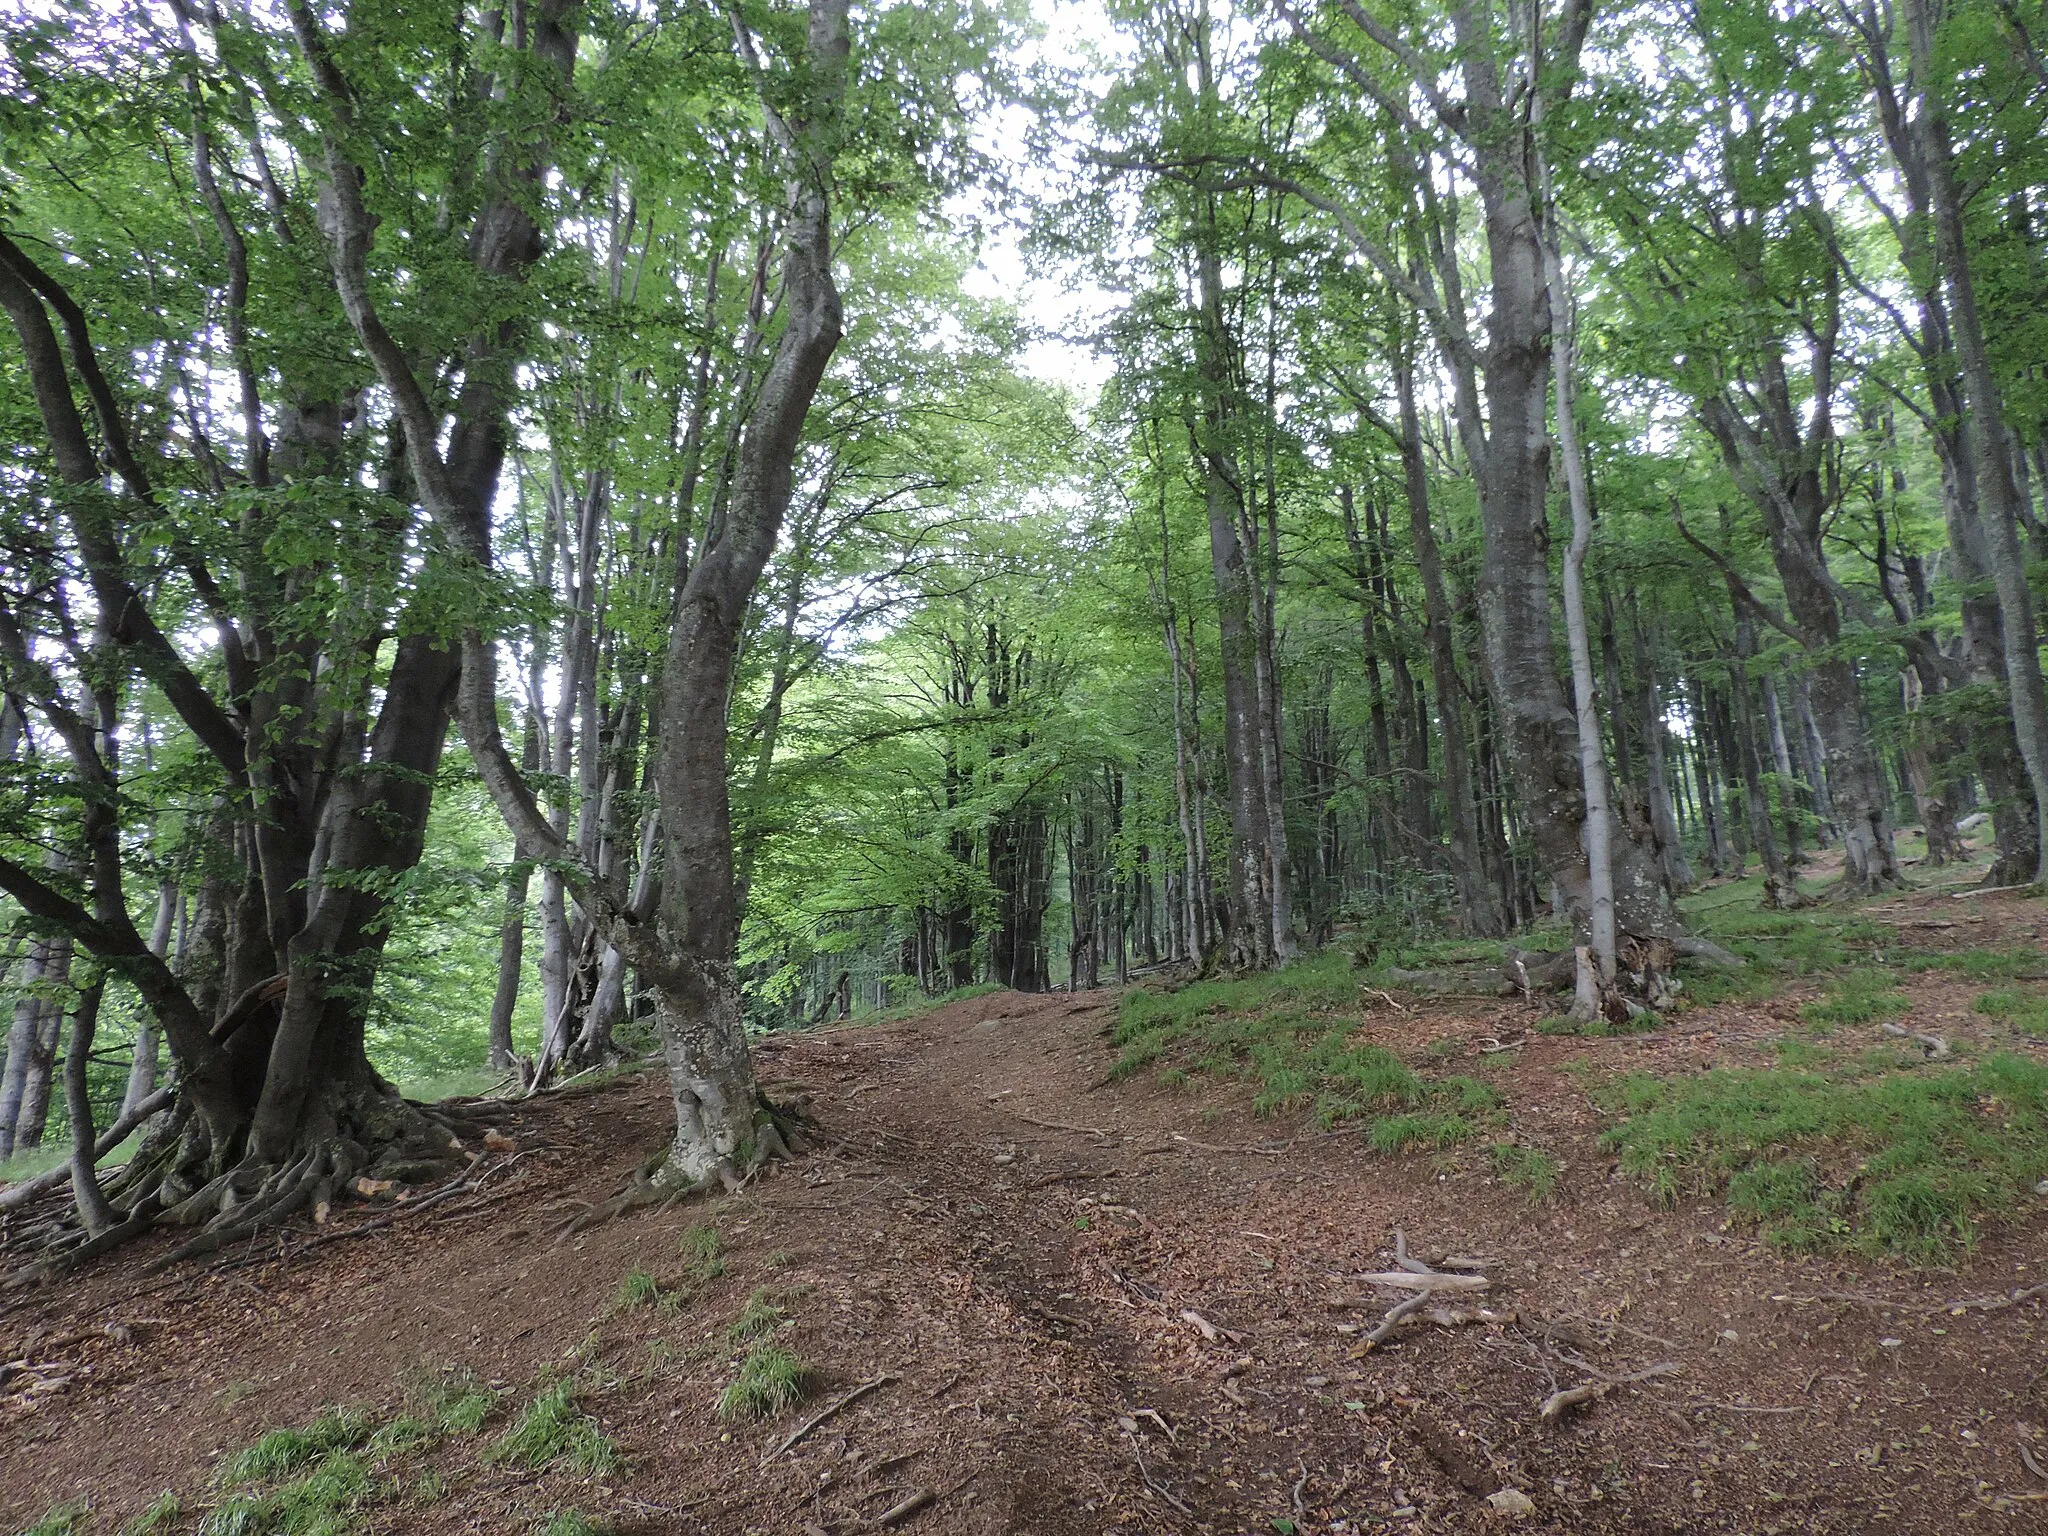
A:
[93, 1208]
[21, 1039]
[1993, 743]
[1599, 824]
[147, 1062]
[687, 949]
[1501, 394]
[33, 1115]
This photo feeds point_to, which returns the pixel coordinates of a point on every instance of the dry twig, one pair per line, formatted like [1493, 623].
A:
[844, 1400]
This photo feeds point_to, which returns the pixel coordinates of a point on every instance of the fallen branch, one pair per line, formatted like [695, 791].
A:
[1966, 1304]
[1400, 1313]
[1145, 1472]
[844, 1400]
[1695, 948]
[1210, 1146]
[904, 1508]
[1988, 890]
[1432, 1280]
[1205, 1328]
[2033, 1462]
[1057, 1125]
[1933, 1045]
[1555, 1405]
[1072, 1176]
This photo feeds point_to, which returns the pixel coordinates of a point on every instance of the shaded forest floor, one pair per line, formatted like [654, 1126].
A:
[1097, 1292]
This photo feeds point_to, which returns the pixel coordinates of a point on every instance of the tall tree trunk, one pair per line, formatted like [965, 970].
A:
[1990, 445]
[1249, 887]
[1678, 873]
[93, 1208]
[1600, 820]
[147, 1061]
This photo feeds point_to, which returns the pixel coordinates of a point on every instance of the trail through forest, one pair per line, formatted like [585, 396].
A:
[1079, 1304]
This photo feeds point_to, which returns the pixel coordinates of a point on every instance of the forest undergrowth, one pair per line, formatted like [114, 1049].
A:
[1861, 1109]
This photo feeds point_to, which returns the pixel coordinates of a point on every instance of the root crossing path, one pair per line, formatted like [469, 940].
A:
[1037, 1300]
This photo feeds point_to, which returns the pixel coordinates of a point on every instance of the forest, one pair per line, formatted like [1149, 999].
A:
[1040, 628]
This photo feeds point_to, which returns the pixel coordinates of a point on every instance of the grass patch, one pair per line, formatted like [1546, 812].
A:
[1641, 1023]
[449, 1398]
[1290, 1033]
[63, 1520]
[771, 1380]
[701, 1252]
[1979, 964]
[1529, 1169]
[638, 1289]
[1778, 945]
[573, 1522]
[54, 1154]
[1906, 1160]
[2026, 1011]
[1861, 996]
[553, 1429]
[284, 1451]
[1423, 1132]
[161, 1515]
[326, 1501]
[471, 1083]
[759, 1318]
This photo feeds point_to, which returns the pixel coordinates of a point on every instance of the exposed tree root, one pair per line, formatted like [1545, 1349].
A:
[778, 1137]
[359, 1129]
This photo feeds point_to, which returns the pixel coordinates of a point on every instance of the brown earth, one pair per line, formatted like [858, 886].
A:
[1102, 1307]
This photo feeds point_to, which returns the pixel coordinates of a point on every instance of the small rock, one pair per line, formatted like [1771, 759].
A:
[1731, 1335]
[2041, 1188]
[1512, 1501]
[1315, 1381]
[1890, 1343]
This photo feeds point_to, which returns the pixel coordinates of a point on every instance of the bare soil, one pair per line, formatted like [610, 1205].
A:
[1104, 1307]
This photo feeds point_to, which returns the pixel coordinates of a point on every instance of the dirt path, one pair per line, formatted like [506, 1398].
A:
[1103, 1307]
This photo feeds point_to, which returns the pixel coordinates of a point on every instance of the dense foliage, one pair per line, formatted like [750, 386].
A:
[356, 348]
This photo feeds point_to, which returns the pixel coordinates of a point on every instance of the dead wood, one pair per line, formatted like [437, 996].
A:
[1205, 1328]
[1558, 1403]
[904, 1508]
[1401, 1311]
[1057, 1125]
[1430, 1280]
[1933, 1045]
[844, 1400]
[1145, 1473]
